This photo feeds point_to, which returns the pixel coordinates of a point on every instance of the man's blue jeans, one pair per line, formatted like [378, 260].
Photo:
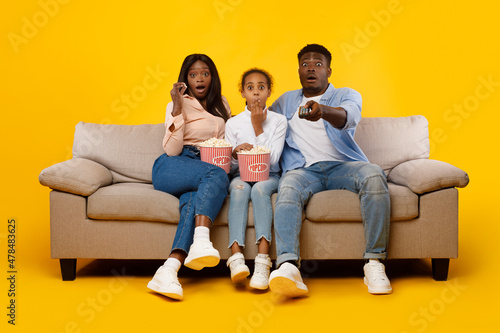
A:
[201, 188]
[260, 193]
[297, 186]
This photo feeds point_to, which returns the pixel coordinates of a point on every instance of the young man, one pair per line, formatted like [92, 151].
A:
[320, 154]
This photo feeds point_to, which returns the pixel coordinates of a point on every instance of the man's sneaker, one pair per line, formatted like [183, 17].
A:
[165, 282]
[202, 254]
[375, 278]
[239, 271]
[287, 281]
[260, 277]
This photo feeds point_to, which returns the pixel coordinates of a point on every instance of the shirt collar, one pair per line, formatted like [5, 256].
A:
[328, 91]
[246, 109]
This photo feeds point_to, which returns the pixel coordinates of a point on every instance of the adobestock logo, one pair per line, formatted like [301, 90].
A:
[89, 309]
[364, 36]
[31, 27]
[422, 318]
[460, 112]
[139, 92]
[221, 7]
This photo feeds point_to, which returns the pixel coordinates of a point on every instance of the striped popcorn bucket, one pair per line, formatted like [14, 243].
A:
[220, 156]
[254, 167]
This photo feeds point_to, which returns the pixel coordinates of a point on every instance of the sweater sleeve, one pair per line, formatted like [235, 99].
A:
[221, 132]
[275, 139]
[230, 136]
[173, 141]
[351, 103]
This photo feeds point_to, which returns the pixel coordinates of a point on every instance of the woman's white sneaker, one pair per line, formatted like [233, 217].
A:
[375, 278]
[202, 254]
[165, 282]
[239, 271]
[260, 277]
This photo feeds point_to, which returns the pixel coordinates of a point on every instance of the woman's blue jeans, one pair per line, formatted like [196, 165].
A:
[297, 186]
[260, 193]
[201, 188]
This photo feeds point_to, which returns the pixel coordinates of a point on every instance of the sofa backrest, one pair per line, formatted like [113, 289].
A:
[128, 151]
[388, 141]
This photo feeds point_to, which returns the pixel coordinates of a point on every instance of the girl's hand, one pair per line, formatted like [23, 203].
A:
[243, 146]
[258, 116]
[176, 93]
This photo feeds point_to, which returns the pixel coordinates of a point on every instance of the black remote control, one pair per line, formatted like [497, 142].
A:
[304, 112]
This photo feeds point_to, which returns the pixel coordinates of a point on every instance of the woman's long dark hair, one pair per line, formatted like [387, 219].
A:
[215, 106]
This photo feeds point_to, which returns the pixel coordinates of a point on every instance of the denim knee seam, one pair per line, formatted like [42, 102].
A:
[367, 178]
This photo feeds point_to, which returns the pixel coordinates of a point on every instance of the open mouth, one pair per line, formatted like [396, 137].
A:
[200, 89]
[311, 78]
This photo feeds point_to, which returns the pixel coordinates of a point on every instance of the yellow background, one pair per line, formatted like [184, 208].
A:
[70, 61]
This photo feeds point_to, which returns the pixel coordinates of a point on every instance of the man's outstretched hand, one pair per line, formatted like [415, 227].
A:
[315, 114]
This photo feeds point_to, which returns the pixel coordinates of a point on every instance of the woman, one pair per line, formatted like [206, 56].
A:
[197, 112]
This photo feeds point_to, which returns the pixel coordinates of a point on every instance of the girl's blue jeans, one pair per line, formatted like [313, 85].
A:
[297, 186]
[240, 193]
[201, 188]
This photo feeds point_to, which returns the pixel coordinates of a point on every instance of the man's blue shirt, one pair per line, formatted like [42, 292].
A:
[343, 139]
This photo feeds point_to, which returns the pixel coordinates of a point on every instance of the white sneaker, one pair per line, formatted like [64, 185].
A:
[165, 282]
[260, 277]
[287, 281]
[202, 254]
[375, 278]
[239, 271]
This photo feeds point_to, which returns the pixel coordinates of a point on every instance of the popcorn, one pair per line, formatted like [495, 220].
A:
[214, 142]
[256, 150]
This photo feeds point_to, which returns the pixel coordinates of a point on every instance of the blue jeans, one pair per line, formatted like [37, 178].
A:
[201, 188]
[260, 193]
[297, 187]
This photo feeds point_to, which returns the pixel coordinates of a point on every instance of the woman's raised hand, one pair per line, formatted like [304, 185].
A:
[176, 93]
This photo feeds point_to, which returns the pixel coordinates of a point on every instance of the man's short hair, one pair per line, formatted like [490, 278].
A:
[318, 49]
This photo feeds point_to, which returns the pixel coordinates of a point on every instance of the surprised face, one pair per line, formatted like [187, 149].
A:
[199, 79]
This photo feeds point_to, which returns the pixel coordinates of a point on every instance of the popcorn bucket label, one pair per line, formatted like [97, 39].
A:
[254, 167]
[220, 160]
[219, 156]
[258, 167]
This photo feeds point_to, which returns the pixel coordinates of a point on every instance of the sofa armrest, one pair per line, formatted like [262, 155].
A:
[423, 175]
[78, 176]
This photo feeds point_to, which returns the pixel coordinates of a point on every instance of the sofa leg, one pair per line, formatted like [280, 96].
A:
[68, 269]
[440, 269]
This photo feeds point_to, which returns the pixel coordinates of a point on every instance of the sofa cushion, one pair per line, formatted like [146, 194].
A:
[78, 176]
[133, 202]
[388, 142]
[343, 205]
[128, 151]
[422, 176]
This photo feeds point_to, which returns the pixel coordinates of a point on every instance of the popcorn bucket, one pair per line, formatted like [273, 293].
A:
[254, 167]
[220, 156]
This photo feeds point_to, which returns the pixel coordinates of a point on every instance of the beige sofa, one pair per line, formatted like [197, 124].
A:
[102, 203]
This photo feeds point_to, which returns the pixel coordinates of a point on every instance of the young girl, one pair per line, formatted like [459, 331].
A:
[254, 126]
[197, 112]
